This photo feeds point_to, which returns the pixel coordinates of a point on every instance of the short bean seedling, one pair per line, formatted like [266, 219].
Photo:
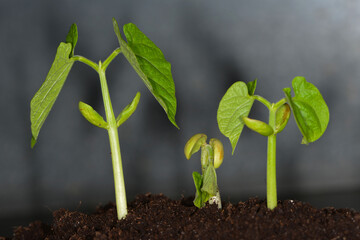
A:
[308, 106]
[212, 155]
[149, 63]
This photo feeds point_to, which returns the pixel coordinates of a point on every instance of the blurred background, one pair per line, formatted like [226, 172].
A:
[210, 44]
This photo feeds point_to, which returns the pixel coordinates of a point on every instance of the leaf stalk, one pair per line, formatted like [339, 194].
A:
[86, 61]
[110, 58]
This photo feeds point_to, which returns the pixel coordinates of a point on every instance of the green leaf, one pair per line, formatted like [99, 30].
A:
[92, 116]
[45, 97]
[310, 110]
[197, 180]
[128, 110]
[235, 104]
[200, 197]
[150, 64]
[209, 181]
[33, 142]
[72, 38]
[251, 87]
[194, 144]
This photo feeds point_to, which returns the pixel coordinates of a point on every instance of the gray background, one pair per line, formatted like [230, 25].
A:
[210, 44]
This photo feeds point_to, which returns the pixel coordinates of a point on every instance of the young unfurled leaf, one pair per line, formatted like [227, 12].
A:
[235, 104]
[209, 181]
[198, 202]
[45, 97]
[258, 126]
[251, 87]
[72, 38]
[150, 64]
[92, 116]
[194, 144]
[128, 110]
[282, 117]
[310, 110]
[201, 197]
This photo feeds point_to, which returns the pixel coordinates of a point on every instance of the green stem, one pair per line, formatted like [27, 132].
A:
[271, 191]
[279, 103]
[86, 61]
[110, 58]
[263, 101]
[207, 156]
[119, 183]
[218, 198]
[94, 65]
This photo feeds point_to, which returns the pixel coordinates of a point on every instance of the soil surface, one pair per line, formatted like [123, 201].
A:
[158, 217]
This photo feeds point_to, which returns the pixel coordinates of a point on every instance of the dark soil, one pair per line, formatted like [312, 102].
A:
[158, 217]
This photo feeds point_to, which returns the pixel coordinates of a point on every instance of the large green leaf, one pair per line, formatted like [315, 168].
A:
[235, 104]
[310, 110]
[45, 97]
[150, 64]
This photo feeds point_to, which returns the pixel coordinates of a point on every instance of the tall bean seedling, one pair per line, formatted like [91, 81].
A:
[149, 63]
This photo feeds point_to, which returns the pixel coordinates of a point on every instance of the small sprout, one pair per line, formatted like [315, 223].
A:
[212, 155]
[258, 126]
[308, 106]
